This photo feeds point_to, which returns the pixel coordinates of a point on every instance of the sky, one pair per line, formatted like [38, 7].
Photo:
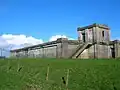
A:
[29, 22]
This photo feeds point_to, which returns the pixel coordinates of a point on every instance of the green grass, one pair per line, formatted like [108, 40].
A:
[84, 74]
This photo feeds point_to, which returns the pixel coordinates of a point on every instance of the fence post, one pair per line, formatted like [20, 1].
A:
[67, 79]
[47, 76]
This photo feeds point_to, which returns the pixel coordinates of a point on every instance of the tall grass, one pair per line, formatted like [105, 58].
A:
[82, 75]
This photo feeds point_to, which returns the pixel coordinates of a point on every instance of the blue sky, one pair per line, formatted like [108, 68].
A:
[45, 18]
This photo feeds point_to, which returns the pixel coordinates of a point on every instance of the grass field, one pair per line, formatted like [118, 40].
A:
[24, 74]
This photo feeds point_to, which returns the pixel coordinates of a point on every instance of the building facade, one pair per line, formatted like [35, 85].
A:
[93, 42]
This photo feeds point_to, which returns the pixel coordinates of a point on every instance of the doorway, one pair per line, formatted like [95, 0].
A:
[83, 34]
[113, 52]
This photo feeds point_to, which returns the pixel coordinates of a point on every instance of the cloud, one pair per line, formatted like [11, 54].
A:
[3, 43]
[18, 41]
[54, 38]
[21, 39]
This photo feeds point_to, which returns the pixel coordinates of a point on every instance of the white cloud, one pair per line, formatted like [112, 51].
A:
[3, 43]
[53, 38]
[21, 39]
[18, 41]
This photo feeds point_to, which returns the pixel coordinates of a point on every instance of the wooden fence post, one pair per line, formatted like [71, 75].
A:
[67, 79]
[47, 76]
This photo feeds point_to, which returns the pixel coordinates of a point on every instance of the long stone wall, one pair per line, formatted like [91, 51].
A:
[48, 51]
[65, 48]
[62, 48]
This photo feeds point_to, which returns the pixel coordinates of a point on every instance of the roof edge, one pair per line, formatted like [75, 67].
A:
[93, 25]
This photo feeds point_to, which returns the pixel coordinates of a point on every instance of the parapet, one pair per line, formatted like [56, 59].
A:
[93, 25]
[62, 39]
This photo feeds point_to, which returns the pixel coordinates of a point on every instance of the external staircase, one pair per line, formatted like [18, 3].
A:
[79, 50]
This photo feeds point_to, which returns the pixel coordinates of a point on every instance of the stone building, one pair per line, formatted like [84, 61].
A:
[93, 42]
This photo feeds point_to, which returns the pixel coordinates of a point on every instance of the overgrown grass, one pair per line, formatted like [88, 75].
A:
[23, 74]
